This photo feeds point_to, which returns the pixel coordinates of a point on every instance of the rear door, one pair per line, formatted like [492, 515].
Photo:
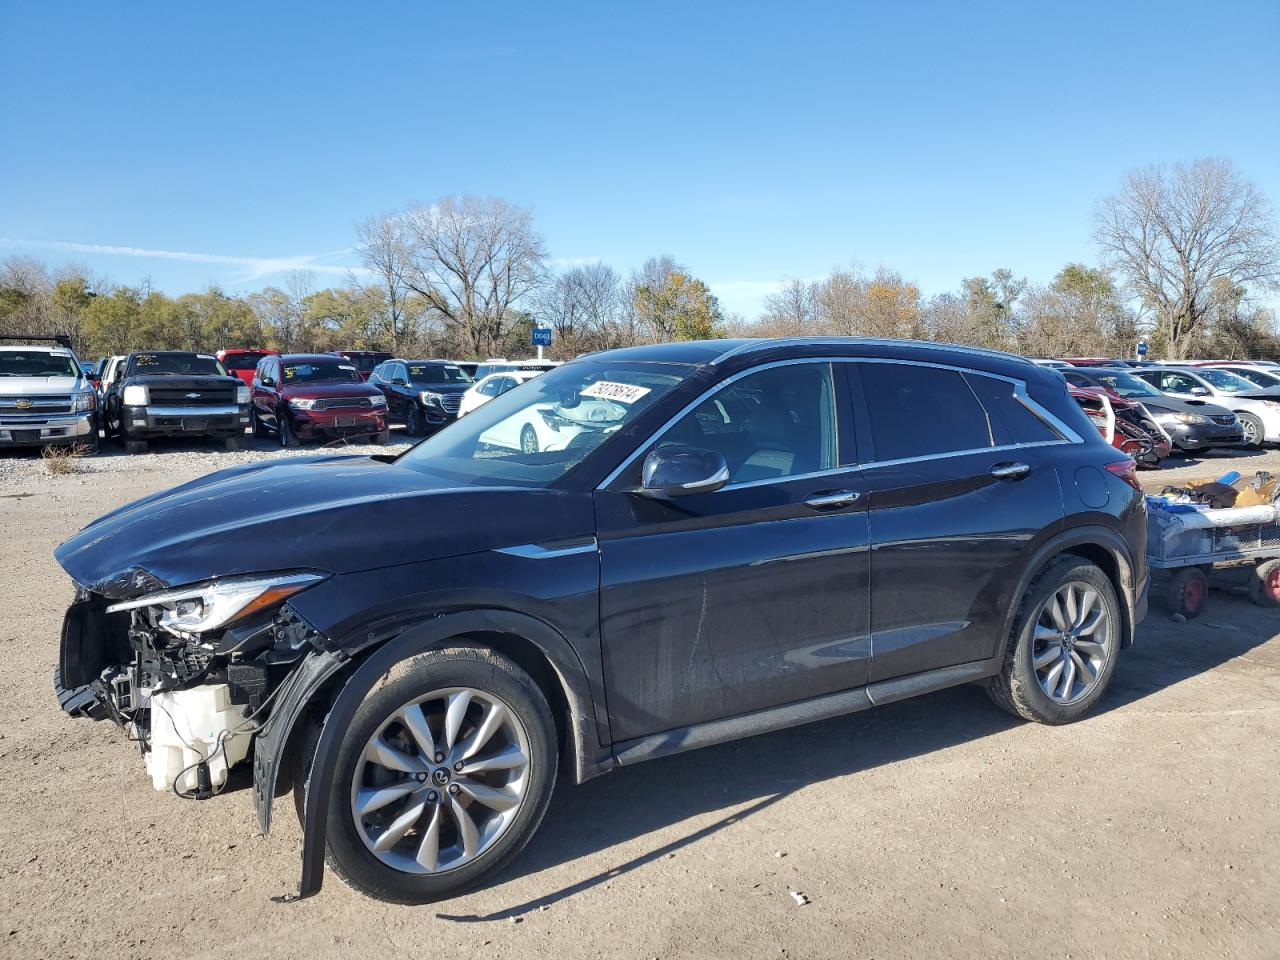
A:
[963, 485]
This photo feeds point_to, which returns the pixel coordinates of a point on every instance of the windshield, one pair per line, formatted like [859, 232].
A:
[242, 361]
[1227, 382]
[320, 373]
[534, 434]
[506, 366]
[36, 363]
[436, 373]
[1129, 387]
[175, 365]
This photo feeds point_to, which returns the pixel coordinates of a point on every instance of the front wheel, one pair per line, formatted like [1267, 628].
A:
[414, 423]
[1064, 645]
[442, 777]
[288, 439]
[259, 431]
[1253, 430]
[528, 440]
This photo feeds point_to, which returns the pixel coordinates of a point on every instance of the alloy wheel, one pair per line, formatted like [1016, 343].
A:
[441, 780]
[1251, 437]
[1074, 638]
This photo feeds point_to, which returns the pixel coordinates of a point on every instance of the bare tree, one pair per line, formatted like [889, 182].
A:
[582, 305]
[1172, 233]
[790, 312]
[473, 259]
[384, 251]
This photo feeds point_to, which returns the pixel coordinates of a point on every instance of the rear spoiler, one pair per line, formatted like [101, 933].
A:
[61, 339]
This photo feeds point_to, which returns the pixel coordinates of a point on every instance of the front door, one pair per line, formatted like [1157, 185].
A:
[719, 604]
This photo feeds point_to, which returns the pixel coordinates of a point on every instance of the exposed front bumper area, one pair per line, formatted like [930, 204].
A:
[20, 431]
[1196, 436]
[156, 421]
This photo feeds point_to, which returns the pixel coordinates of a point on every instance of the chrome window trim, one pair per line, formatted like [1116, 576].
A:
[1066, 434]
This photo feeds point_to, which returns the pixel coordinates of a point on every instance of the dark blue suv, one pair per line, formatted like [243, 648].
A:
[724, 538]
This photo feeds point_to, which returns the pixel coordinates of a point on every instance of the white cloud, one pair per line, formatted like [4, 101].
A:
[254, 267]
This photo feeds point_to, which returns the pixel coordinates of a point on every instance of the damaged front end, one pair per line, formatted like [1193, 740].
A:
[189, 673]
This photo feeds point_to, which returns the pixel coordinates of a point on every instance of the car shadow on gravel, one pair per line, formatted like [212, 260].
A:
[760, 771]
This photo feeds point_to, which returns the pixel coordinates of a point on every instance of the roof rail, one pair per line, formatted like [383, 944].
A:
[764, 343]
[61, 339]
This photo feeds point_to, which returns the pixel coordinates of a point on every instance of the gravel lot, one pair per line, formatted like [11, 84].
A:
[938, 827]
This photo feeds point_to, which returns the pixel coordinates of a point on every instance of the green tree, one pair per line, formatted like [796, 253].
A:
[681, 307]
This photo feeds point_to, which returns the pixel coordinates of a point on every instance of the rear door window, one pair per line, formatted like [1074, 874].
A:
[919, 411]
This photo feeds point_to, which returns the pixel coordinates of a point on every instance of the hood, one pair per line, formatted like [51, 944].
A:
[1272, 394]
[317, 391]
[38, 386]
[334, 514]
[1171, 404]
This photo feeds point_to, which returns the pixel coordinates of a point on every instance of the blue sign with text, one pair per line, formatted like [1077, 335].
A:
[1142, 348]
[542, 336]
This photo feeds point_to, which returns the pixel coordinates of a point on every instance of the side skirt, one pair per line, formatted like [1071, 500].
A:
[806, 711]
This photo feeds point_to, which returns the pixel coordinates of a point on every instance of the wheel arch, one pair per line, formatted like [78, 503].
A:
[533, 645]
[1099, 545]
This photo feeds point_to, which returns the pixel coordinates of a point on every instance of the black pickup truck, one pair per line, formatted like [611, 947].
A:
[170, 393]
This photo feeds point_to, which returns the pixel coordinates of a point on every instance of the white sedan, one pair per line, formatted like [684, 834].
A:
[552, 426]
[494, 385]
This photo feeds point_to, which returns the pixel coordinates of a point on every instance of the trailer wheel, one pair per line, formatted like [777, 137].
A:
[1264, 585]
[1188, 592]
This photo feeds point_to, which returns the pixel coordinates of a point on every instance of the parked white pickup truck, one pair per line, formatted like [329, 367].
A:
[44, 395]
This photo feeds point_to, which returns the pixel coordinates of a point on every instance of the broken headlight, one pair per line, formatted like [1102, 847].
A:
[207, 606]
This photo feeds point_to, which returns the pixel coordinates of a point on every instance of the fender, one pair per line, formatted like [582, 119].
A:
[589, 760]
[1087, 535]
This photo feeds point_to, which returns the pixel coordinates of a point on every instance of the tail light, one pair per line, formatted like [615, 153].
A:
[1126, 470]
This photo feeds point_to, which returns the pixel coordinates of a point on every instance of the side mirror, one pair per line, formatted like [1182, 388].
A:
[677, 471]
[268, 382]
[1199, 392]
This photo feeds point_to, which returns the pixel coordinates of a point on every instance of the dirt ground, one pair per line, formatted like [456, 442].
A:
[938, 827]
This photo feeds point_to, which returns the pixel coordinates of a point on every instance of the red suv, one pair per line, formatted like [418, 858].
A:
[363, 360]
[305, 396]
[242, 363]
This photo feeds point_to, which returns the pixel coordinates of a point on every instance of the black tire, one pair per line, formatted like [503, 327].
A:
[92, 445]
[1252, 428]
[1264, 585]
[1016, 688]
[288, 439]
[528, 439]
[234, 443]
[1187, 593]
[260, 432]
[414, 424]
[383, 438]
[130, 444]
[479, 668]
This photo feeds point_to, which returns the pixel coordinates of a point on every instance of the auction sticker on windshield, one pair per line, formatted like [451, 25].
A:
[610, 390]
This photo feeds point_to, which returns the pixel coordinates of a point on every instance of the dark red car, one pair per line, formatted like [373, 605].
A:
[1125, 424]
[242, 362]
[309, 396]
[363, 360]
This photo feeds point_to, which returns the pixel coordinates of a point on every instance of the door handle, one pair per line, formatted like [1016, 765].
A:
[1010, 471]
[832, 499]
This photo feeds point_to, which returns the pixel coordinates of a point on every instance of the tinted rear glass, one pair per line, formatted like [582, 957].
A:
[1009, 416]
[242, 361]
[922, 411]
[436, 373]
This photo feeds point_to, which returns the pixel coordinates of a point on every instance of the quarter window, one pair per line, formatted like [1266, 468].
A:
[1011, 421]
[776, 423]
[921, 411]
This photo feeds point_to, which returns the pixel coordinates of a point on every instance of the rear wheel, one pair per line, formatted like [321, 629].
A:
[528, 440]
[442, 777]
[1264, 586]
[1253, 431]
[1064, 645]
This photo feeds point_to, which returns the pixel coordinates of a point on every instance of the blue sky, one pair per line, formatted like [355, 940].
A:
[754, 142]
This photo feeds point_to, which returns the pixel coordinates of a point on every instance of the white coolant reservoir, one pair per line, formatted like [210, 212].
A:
[185, 727]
